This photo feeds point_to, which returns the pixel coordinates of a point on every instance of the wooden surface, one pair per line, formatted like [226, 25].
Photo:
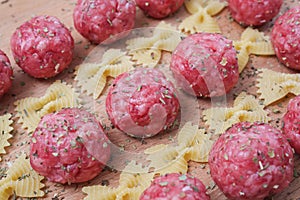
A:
[15, 12]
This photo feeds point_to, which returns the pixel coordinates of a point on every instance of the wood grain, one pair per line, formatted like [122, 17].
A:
[15, 12]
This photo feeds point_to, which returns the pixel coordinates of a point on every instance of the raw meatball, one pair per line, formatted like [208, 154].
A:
[254, 12]
[159, 8]
[251, 161]
[42, 47]
[291, 126]
[205, 64]
[285, 38]
[100, 20]
[69, 146]
[175, 186]
[6, 74]
[142, 103]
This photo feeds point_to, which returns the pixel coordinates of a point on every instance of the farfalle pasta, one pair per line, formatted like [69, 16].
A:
[273, 86]
[146, 51]
[134, 179]
[200, 147]
[245, 108]
[92, 77]
[168, 160]
[252, 42]
[5, 129]
[57, 96]
[22, 180]
[201, 19]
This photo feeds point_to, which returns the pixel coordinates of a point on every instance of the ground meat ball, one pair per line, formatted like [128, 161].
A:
[251, 161]
[175, 186]
[285, 38]
[142, 103]
[6, 74]
[205, 64]
[291, 125]
[99, 20]
[42, 47]
[69, 146]
[159, 8]
[253, 12]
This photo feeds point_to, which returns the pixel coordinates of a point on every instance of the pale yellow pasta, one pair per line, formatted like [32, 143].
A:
[192, 144]
[165, 37]
[141, 42]
[192, 6]
[92, 77]
[98, 192]
[273, 86]
[146, 57]
[200, 147]
[213, 6]
[22, 180]
[242, 56]
[252, 42]
[109, 70]
[201, 19]
[130, 193]
[142, 180]
[5, 129]
[84, 73]
[167, 41]
[155, 148]
[114, 56]
[262, 48]
[134, 179]
[187, 135]
[178, 165]
[169, 160]
[129, 179]
[162, 31]
[58, 95]
[29, 187]
[6, 190]
[146, 51]
[199, 22]
[245, 108]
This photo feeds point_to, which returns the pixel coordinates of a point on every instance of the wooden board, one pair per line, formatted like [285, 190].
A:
[15, 12]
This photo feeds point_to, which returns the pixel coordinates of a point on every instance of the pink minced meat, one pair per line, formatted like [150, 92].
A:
[6, 74]
[175, 186]
[42, 47]
[251, 161]
[142, 103]
[254, 12]
[69, 146]
[104, 21]
[159, 8]
[205, 64]
[291, 125]
[285, 38]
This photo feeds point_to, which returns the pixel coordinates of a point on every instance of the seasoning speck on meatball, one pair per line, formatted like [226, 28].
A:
[142, 103]
[69, 146]
[205, 64]
[251, 161]
[42, 47]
